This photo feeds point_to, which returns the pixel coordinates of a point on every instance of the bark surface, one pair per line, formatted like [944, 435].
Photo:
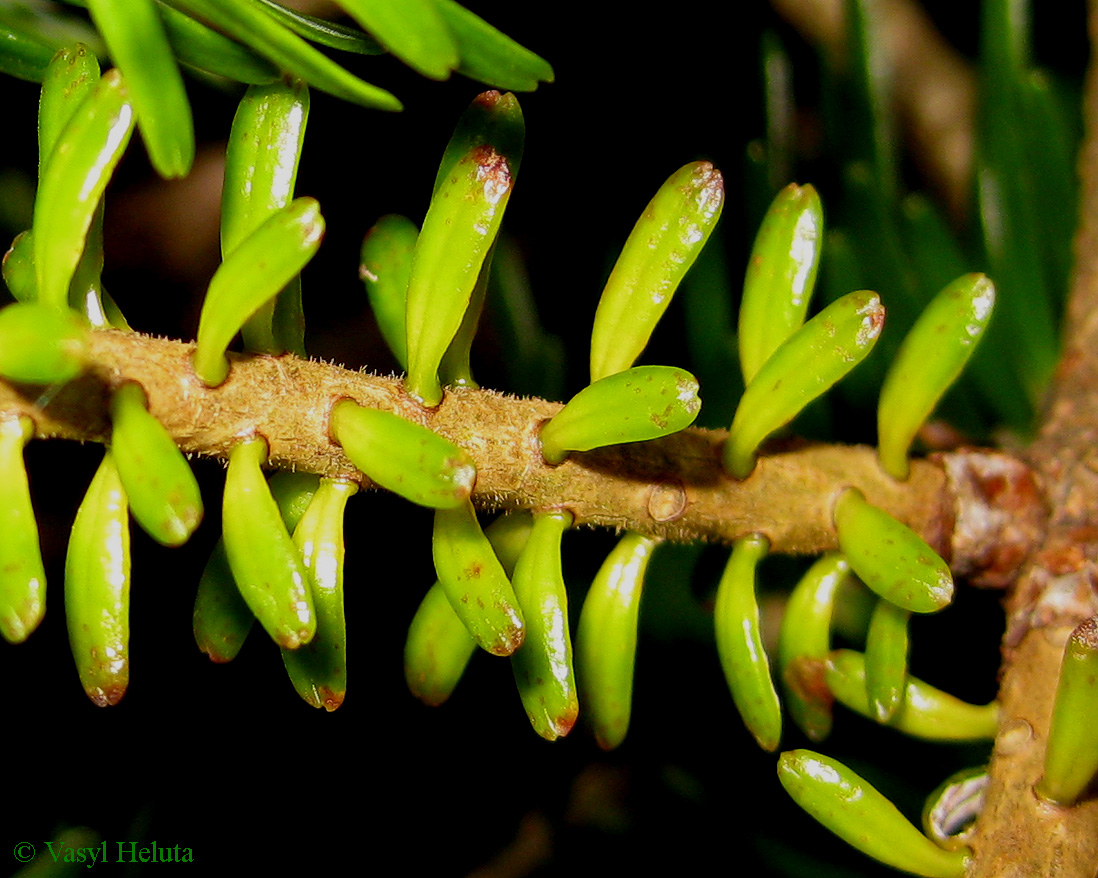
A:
[1018, 834]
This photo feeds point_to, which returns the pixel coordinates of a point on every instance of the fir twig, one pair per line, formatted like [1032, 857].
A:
[672, 488]
[1018, 833]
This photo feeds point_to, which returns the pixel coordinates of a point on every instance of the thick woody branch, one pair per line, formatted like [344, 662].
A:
[1018, 833]
[673, 488]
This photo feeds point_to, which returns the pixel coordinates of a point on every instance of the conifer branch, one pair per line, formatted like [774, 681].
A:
[1018, 833]
[967, 505]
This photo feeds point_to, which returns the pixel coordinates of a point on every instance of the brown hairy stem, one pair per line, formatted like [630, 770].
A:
[673, 488]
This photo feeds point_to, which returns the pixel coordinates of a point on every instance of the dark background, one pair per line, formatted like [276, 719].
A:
[227, 760]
